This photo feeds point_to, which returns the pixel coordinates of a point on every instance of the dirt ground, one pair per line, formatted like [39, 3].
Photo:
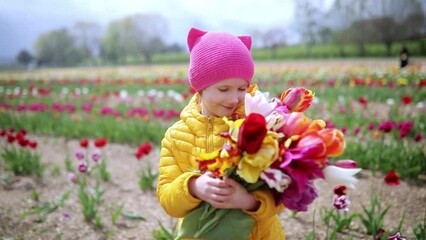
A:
[123, 188]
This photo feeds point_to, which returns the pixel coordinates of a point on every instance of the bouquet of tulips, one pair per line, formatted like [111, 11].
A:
[277, 147]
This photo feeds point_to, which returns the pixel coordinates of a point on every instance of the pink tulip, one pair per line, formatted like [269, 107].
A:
[96, 155]
[346, 163]
[80, 155]
[72, 177]
[82, 166]
[341, 203]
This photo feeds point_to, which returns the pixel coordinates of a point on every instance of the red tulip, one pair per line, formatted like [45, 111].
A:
[418, 137]
[193, 91]
[406, 100]
[10, 138]
[20, 136]
[32, 144]
[22, 142]
[185, 95]
[84, 143]
[143, 150]
[23, 131]
[101, 142]
[340, 190]
[251, 133]
[363, 101]
[392, 178]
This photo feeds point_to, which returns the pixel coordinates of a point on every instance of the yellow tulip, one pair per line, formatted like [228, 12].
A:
[252, 165]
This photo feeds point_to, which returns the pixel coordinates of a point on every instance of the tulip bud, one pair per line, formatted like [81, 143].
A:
[72, 177]
[346, 163]
[297, 99]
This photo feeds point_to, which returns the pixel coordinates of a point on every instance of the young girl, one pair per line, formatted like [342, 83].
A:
[220, 70]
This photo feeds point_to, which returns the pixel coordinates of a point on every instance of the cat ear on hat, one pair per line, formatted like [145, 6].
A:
[193, 35]
[246, 40]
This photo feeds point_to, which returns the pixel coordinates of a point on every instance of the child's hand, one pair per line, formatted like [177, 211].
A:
[240, 197]
[220, 193]
[210, 189]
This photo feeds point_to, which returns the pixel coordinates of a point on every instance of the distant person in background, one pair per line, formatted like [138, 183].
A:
[403, 57]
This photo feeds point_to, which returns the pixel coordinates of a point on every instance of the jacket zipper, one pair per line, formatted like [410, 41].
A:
[209, 143]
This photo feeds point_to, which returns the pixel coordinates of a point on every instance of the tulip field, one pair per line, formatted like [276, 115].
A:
[79, 148]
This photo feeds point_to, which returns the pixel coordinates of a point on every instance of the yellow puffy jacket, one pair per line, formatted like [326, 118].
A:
[182, 143]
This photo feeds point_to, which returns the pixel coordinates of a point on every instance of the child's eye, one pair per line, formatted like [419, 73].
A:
[242, 89]
[223, 89]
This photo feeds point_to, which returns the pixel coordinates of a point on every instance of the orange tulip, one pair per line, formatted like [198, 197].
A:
[310, 146]
[334, 141]
[296, 124]
[314, 126]
[314, 145]
[297, 99]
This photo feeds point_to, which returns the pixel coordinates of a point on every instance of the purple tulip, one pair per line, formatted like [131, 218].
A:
[82, 166]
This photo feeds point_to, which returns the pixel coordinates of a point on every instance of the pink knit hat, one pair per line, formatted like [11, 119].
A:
[216, 56]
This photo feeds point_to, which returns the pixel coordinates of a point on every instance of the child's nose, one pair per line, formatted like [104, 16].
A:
[235, 98]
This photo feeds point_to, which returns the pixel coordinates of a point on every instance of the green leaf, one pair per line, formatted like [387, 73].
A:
[115, 214]
[133, 216]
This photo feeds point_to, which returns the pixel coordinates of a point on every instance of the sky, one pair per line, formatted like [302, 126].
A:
[22, 21]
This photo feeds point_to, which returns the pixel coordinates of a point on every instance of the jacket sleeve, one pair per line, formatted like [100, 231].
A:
[172, 188]
[267, 208]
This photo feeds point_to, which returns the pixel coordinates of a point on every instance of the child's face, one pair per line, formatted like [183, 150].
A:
[223, 98]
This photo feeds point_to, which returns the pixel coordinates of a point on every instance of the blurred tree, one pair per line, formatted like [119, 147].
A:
[57, 48]
[339, 18]
[307, 20]
[135, 35]
[174, 47]
[274, 38]
[325, 34]
[360, 33]
[414, 27]
[87, 36]
[112, 47]
[379, 21]
[393, 20]
[355, 12]
[24, 57]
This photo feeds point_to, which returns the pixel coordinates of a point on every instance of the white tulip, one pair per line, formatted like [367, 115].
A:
[141, 93]
[341, 176]
[276, 179]
[390, 101]
[64, 91]
[259, 103]
[85, 91]
[123, 94]
[275, 121]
